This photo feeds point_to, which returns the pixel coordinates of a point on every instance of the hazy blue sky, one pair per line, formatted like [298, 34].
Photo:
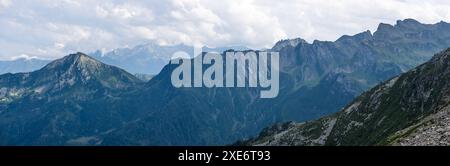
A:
[53, 28]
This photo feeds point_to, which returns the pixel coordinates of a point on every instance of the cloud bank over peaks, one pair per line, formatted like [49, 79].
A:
[54, 28]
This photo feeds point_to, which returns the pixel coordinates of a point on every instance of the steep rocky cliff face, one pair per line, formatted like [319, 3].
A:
[410, 109]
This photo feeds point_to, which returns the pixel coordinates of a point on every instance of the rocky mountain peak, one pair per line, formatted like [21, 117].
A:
[408, 22]
[83, 69]
[288, 42]
[74, 61]
[384, 27]
[366, 35]
[411, 24]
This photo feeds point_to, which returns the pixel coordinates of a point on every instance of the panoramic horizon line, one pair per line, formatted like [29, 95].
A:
[31, 57]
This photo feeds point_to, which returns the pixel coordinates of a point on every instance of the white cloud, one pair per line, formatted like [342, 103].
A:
[23, 56]
[4, 3]
[53, 28]
[122, 11]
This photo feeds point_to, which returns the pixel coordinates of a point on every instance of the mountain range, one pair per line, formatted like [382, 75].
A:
[410, 109]
[149, 58]
[21, 65]
[78, 100]
[145, 60]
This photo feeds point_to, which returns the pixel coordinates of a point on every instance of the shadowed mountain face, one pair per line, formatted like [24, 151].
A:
[325, 76]
[86, 102]
[315, 80]
[410, 109]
